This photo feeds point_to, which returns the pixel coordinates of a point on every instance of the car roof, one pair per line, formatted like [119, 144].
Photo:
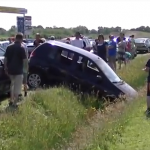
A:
[30, 44]
[142, 38]
[74, 49]
[1, 42]
[73, 37]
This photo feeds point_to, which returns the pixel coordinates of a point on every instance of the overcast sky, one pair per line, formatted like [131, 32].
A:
[90, 13]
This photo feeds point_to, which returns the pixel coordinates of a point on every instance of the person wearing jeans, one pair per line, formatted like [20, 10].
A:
[112, 53]
[15, 62]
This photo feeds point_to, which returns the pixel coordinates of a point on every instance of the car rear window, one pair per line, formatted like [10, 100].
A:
[44, 51]
[2, 52]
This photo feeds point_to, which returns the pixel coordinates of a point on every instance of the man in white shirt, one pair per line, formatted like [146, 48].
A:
[78, 42]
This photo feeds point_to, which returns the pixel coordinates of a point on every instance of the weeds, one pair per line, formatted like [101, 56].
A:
[48, 118]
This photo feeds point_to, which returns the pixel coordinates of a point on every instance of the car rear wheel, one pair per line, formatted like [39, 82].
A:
[34, 80]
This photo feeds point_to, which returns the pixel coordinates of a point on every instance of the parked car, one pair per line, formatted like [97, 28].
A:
[47, 64]
[30, 47]
[27, 41]
[4, 79]
[142, 44]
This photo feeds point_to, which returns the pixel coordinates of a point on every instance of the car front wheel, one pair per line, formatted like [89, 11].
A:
[34, 80]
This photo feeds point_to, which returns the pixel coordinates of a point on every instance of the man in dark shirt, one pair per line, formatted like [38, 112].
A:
[14, 63]
[147, 69]
[38, 40]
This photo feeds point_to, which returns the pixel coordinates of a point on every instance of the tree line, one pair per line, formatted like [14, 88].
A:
[61, 32]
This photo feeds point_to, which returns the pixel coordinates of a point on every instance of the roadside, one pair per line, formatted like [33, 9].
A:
[99, 133]
[49, 118]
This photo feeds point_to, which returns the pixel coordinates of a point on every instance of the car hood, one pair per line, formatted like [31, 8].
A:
[127, 90]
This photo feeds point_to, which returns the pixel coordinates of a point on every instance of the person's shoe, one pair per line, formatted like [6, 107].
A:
[25, 94]
[19, 98]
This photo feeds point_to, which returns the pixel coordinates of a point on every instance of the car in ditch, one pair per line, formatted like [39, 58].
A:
[48, 65]
[4, 79]
[142, 44]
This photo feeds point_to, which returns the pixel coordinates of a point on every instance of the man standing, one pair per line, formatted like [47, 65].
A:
[38, 40]
[132, 45]
[112, 52]
[121, 50]
[15, 62]
[78, 42]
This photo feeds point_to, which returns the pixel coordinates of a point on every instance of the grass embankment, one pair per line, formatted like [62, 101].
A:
[48, 119]
[127, 128]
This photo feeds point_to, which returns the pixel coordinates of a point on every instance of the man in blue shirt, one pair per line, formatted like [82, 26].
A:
[112, 52]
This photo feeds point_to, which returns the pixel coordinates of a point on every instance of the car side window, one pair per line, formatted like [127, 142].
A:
[146, 41]
[84, 64]
[46, 50]
[64, 56]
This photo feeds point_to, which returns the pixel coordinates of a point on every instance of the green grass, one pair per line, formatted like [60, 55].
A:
[51, 118]
[126, 128]
[43, 122]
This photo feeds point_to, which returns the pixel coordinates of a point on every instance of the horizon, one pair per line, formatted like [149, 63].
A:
[85, 13]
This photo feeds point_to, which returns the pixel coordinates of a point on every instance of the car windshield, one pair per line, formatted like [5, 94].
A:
[2, 52]
[110, 74]
[140, 40]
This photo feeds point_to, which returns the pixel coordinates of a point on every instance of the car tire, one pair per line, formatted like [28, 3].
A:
[35, 80]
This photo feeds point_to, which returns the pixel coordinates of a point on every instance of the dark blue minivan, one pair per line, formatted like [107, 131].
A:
[54, 62]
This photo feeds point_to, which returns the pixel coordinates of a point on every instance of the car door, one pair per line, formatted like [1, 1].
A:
[62, 66]
[1, 75]
[85, 77]
[148, 43]
[4, 80]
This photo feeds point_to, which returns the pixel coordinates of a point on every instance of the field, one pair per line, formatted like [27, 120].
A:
[138, 34]
[58, 119]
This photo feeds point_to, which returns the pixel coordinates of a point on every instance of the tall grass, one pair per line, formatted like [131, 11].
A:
[49, 117]
[107, 138]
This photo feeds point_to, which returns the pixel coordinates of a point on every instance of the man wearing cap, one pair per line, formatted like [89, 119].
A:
[112, 52]
[38, 40]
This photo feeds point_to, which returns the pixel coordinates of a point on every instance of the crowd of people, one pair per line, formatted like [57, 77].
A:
[108, 50]
[16, 57]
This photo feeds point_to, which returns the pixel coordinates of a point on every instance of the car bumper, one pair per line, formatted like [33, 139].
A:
[142, 49]
[127, 90]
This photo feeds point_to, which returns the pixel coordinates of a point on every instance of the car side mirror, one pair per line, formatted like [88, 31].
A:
[99, 78]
